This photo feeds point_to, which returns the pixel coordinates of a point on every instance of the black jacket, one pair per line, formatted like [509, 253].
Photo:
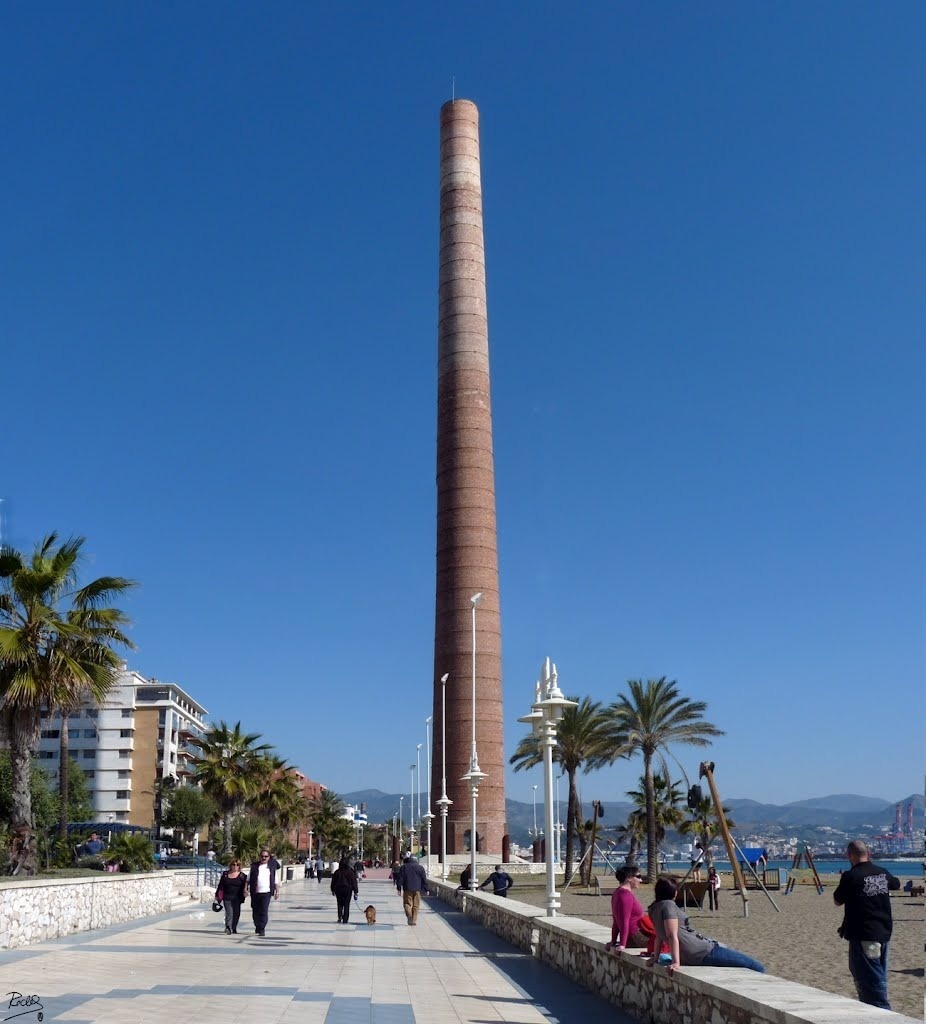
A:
[344, 880]
[863, 891]
[274, 866]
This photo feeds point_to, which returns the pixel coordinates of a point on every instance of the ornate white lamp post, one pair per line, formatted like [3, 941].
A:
[311, 834]
[546, 713]
[444, 801]
[428, 817]
[401, 826]
[474, 776]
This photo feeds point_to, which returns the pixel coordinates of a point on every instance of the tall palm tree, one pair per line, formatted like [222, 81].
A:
[583, 743]
[229, 769]
[649, 719]
[704, 825]
[279, 799]
[56, 646]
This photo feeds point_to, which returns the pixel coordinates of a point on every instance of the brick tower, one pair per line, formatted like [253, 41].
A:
[467, 548]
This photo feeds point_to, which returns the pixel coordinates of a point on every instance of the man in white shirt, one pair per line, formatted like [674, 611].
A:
[263, 885]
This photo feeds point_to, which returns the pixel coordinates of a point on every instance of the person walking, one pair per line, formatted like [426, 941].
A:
[320, 868]
[628, 913]
[688, 947]
[713, 888]
[344, 885]
[500, 881]
[232, 890]
[263, 885]
[396, 876]
[864, 893]
[414, 882]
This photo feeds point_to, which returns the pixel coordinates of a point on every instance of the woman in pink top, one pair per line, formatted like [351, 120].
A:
[627, 912]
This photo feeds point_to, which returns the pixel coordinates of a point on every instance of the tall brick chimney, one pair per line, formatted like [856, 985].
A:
[467, 547]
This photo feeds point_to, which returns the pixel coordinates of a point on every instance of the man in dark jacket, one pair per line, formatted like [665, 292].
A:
[414, 881]
[344, 885]
[500, 881]
[263, 885]
[867, 925]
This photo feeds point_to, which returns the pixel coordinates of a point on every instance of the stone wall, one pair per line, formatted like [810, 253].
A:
[32, 910]
[694, 995]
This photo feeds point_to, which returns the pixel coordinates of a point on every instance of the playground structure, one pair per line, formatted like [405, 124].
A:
[803, 854]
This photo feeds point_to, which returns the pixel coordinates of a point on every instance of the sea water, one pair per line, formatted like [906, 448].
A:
[899, 868]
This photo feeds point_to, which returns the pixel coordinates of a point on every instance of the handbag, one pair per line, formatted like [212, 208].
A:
[217, 905]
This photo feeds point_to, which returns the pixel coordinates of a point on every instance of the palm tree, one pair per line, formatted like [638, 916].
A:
[56, 647]
[704, 825]
[279, 798]
[653, 716]
[633, 832]
[583, 743]
[229, 769]
[667, 796]
[332, 830]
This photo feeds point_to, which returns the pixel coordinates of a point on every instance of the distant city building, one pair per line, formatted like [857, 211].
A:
[145, 731]
[299, 836]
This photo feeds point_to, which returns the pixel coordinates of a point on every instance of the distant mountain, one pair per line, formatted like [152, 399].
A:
[843, 813]
[843, 802]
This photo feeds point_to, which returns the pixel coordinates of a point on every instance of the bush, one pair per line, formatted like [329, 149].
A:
[132, 852]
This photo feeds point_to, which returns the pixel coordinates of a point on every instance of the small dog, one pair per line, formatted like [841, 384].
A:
[370, 914]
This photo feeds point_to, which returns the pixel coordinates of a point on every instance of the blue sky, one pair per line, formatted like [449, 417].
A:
[705, 237]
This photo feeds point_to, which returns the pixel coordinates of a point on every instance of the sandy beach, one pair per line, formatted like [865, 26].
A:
[799, 944]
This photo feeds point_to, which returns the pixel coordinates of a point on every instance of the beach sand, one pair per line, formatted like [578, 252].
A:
[799, 944]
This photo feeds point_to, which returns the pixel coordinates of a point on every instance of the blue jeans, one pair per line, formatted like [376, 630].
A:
[723, 956]
[870, 976]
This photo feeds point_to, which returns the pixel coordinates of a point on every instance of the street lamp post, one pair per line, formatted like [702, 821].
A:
[428, 816]
[311, 834]
[401, 826]
[418, 783]
[444, 801]
[546, 713]
[474, 776]
[411, 830]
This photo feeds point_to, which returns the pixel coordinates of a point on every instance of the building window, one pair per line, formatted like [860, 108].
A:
[125, 753]
[126, 734]
[123, 773]
[91, 774]
[127, 712]
[122, 794]
[73, 734]
[89, 755]
[50, 734]
[92, 712]
[47, 755]
[89, 734]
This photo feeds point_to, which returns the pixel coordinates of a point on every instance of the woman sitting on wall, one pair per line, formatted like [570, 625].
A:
[687, 947]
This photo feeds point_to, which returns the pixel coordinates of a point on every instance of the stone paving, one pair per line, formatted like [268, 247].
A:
[182, 968]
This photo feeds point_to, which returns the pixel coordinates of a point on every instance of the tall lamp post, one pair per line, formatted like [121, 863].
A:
[546, 713]
[411, 831]
[474, 776]
[311, 834]
[444, 801]
[418, 784]
[428, 817]
[401, 826]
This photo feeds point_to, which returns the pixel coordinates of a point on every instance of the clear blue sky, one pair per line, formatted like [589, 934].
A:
[705, 238]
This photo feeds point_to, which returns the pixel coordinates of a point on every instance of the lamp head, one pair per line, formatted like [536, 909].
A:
[476, 598]
[444, 678]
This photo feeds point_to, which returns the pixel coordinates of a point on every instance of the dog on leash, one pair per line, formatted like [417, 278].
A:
[370, 914]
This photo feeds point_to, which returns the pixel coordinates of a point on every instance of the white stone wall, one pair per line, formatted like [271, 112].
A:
[694, 995]
[33, 910]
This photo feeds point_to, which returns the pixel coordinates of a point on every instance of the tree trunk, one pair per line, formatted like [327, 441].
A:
[23, 733]
[570, 821]
[64, 779]
[652, 866]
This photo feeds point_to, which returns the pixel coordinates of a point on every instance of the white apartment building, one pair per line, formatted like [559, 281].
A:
[143, 732]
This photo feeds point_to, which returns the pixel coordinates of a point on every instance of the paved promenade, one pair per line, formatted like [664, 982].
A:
[184, 969]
